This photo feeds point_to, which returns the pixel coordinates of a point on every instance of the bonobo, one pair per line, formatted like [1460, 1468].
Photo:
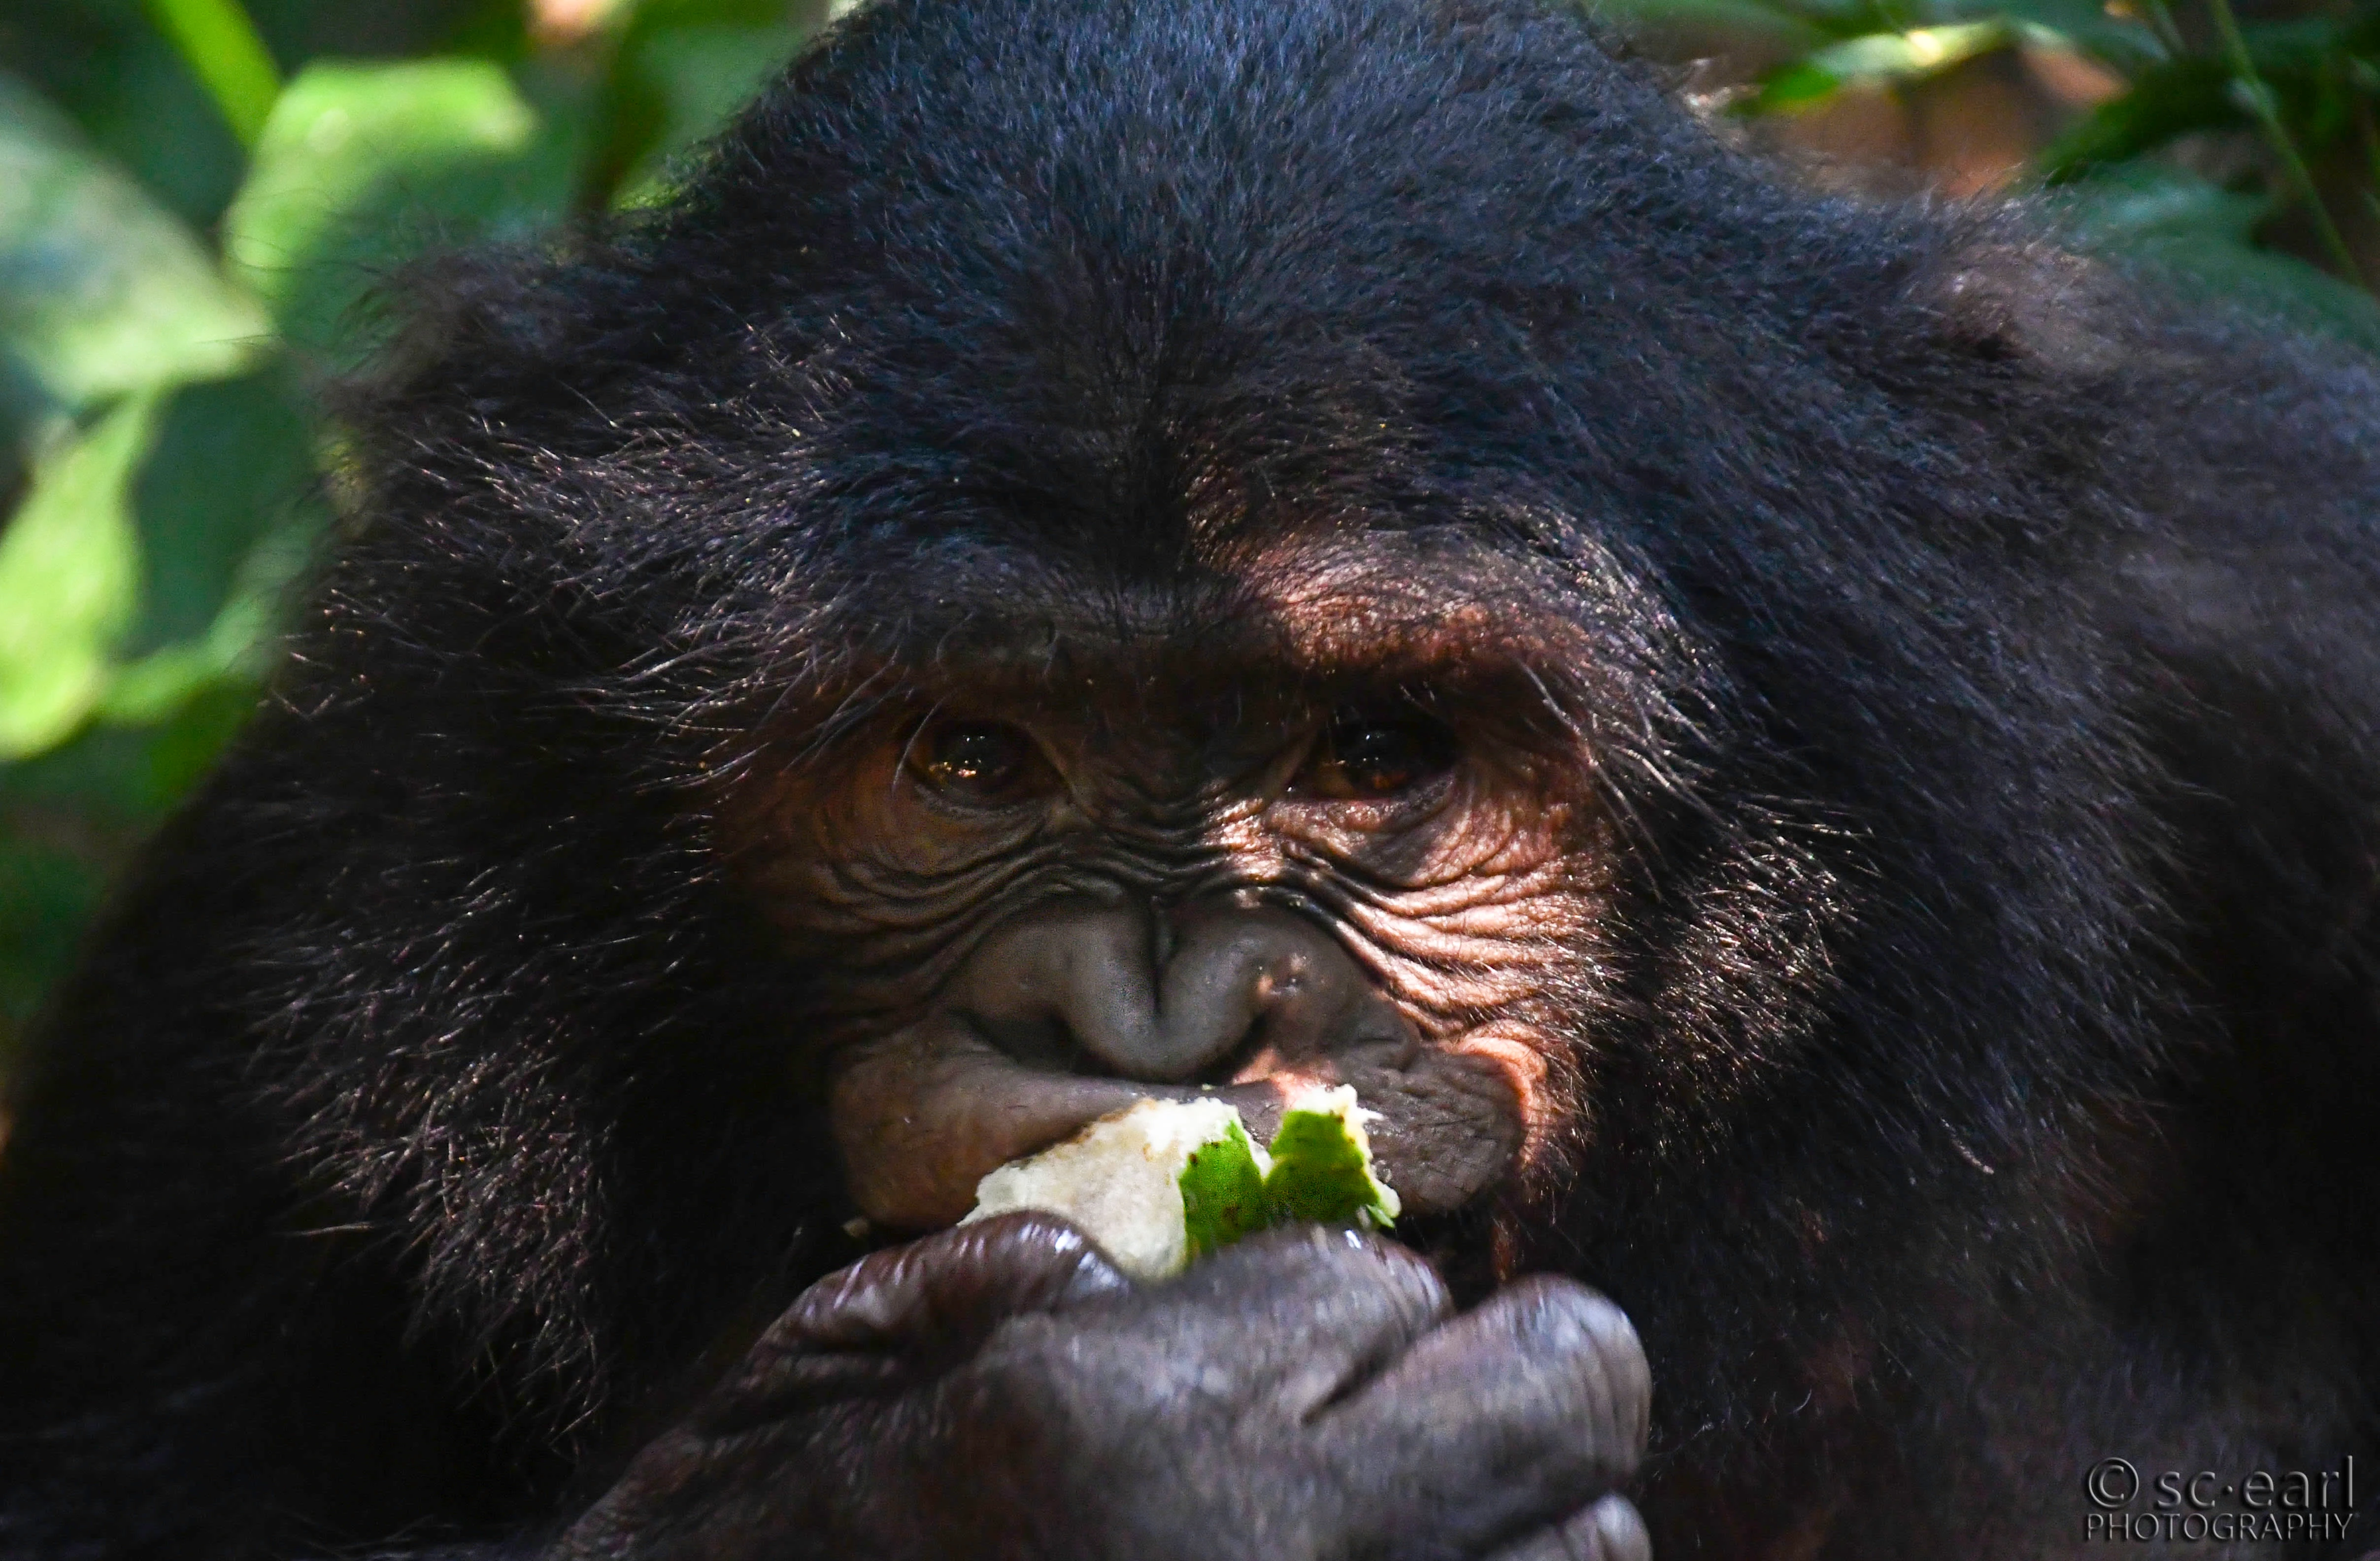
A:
[1819, 765]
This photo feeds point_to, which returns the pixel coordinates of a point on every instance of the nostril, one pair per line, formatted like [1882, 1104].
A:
[1200, 995]
[1228, 1065]
[1268, 989]
[1388, 1039]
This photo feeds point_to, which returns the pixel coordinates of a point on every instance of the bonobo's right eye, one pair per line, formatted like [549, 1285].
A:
[981, 761]
[1370, 754]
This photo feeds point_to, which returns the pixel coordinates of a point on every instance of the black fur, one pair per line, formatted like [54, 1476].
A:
[1974, 1077]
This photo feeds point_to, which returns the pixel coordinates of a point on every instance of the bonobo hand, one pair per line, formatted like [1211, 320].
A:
[1000, 1390]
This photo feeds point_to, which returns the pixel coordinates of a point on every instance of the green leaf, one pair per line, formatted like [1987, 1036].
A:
[101, 291]
[364, 166]
[698, 78]
[1223, 1193]
[2131, 205]
[1790, 87]
[2167, 100]
[69, 573]
[113, 784]
[1921, 50]
[235, 463]
[72, 817]
[2199, 239]
[220, 44]
[1322, 1170]
[228, 657]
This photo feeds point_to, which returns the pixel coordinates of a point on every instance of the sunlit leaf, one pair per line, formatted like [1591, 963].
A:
[232, 651]
[69, 572]
[362, 167]
[123, 780]
[219, 43]
[1886, 56]
[234, 462]
[101, 291]
[1874, 57]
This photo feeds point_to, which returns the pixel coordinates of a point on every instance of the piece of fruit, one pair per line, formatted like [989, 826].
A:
[1322, 1164]
[1164, 1182]
[1120, 1179]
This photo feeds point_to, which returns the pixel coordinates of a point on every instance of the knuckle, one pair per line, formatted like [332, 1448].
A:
[1564, 1318]
[1327, 1257]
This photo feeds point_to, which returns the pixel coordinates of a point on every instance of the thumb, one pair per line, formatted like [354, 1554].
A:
[906, 1313]
[950, 1289]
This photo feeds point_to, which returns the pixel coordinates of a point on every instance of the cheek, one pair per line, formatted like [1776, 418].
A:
[863, 879]
[879, 821]
[1439, 853]
[1486, 902]
[1485, 921]
[1536, 1066]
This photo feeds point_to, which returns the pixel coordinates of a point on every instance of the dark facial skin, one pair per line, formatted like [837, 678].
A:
[1047, 898]
[1249, 863]
[1000, 1390]
[1043, 901]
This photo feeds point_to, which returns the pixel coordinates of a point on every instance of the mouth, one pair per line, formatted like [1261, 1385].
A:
[922, 1115]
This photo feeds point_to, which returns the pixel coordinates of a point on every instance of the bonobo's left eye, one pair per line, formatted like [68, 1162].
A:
[1374, 753]
[983, 762]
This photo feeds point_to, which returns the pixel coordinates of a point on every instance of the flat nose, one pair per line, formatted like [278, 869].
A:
[1166, 997]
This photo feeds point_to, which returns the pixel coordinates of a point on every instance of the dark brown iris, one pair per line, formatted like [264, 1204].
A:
[987, 761]
[1375, 753]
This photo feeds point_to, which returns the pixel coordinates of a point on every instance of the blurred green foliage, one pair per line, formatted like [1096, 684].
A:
[195, 198]
[194, 201]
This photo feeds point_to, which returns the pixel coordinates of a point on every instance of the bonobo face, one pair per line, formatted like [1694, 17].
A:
[1222, 834]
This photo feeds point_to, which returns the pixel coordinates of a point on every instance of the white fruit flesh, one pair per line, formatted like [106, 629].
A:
[1119, 1179]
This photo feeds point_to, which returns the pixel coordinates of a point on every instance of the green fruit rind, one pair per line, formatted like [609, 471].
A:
[1223, 1193]
[1322, 1171]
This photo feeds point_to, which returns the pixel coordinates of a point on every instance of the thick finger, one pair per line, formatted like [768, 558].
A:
[906, 1311]
[1290, 1317]
[1609, 1530]
[1500, 1422]
[954, 1287]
